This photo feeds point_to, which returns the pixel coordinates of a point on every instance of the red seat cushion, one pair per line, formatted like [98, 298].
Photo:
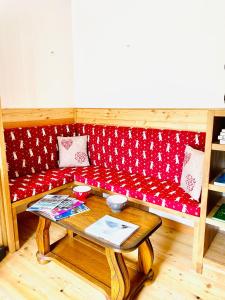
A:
[164, 193]
[34, 184]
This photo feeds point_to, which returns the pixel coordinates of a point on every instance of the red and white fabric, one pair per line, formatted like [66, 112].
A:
[141, 163]
[149, 189]
[149, 152]
[31, 150]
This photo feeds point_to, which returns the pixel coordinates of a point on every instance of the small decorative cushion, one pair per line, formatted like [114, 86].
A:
[73, 151]
[191, 177]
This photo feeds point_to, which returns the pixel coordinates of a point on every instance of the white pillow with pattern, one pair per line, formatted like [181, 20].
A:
[73, 151]
[192, 172]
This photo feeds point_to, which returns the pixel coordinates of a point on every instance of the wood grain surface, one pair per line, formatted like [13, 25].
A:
[147, 222]
[22, 117]
[181, 119]
[21, 277]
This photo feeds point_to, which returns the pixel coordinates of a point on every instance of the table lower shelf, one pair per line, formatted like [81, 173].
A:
[88, 260]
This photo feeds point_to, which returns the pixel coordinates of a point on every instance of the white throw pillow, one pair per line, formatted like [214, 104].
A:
[73, 151]
[191, 177]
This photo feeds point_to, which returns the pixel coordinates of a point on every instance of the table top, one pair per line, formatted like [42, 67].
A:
[146, 221]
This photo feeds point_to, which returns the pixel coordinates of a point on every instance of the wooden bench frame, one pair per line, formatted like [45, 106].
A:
[181, 119]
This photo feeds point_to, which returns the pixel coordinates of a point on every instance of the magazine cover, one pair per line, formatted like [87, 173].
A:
[47, 203]
[72, 212]
[67, 204]
[111, 229]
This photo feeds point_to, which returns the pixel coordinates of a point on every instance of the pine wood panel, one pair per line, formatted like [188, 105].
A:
[3, 234]
[6, 203]
[184, 119]
[218, 147]
[40, 116]
[199, 236]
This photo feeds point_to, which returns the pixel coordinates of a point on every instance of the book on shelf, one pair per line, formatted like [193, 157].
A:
[221, 137]
[220, 213]
[111, 229]
[220, 179]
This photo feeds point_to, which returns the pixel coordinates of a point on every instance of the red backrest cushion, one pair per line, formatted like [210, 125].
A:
[34, 149]
[151, 152]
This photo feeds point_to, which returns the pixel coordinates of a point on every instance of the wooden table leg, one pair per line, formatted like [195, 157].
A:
[120, 281]
[145, 258]
[42, 239]
[70, 233]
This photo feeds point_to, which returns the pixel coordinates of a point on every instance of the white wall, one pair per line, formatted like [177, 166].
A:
[148, 53]
[36, 53]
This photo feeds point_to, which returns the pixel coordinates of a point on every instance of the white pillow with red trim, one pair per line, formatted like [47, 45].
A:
[192, 172]
[73, 151]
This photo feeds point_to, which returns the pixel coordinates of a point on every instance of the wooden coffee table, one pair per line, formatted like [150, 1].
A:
[100, 263]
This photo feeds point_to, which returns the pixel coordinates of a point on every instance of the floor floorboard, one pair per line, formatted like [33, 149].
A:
[21, 277]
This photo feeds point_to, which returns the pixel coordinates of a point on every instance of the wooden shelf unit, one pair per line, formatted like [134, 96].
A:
[214, 194]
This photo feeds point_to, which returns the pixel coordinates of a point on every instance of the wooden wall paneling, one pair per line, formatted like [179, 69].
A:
[75, 115]
[199, 228]
[5, 190]
[183, 119]
[3, 234]
[21, 117]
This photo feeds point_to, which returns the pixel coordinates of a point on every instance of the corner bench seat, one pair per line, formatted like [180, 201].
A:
[143, 163]
[149, 189]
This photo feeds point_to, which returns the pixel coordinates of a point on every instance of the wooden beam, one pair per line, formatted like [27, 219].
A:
[21, 117]
[181, 119]
[199, 228]
[5, 190]
[3, 233]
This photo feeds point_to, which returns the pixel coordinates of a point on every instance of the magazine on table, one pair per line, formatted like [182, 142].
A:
[47, 203]
[57, 207]
[111, 229]
[72, 212]
[67, 204]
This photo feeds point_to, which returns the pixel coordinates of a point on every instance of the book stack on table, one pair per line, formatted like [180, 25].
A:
[221, 137]
[57, 207]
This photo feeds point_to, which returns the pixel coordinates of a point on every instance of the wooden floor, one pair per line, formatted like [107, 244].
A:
[21, 277]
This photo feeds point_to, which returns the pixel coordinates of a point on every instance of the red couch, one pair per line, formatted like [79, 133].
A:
[145, 164]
